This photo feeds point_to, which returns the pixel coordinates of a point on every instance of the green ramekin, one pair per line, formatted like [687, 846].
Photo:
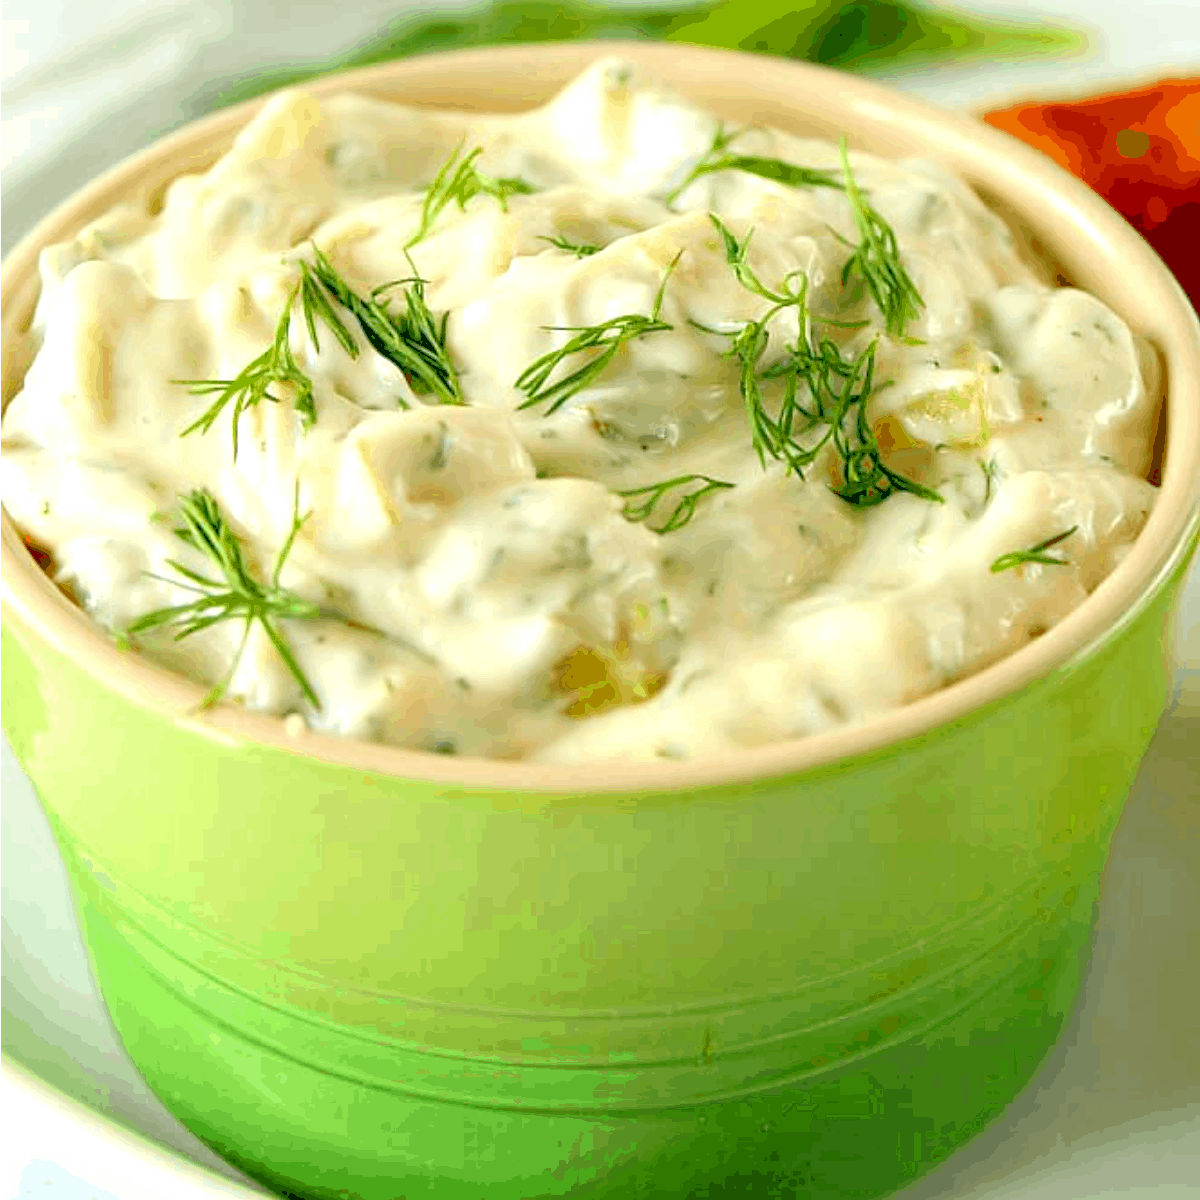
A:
[809, 970]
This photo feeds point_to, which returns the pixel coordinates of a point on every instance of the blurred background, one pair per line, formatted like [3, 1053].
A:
[86, 82]
[1116, 1112]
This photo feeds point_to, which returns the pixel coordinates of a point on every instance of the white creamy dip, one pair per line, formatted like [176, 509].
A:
[475, 583]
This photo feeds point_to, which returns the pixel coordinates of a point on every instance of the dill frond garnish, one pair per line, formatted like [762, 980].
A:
[876, 259]
[315, 303]
[458, 181]
[1035, 554]
[716, 158]
[414, 340]
[736, 255]
[866, 479]
[606, 338]
[236, 595]
[770, 437]
[683, 510]
[579, 249]
[837, 388]
[276, 366]
[775, 437]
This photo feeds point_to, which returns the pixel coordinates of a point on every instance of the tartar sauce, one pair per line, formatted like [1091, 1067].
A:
[664, 439]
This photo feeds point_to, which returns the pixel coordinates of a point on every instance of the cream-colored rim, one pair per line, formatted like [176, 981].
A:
[1093, 245]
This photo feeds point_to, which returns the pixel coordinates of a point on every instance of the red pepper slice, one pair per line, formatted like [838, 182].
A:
[1138, 149]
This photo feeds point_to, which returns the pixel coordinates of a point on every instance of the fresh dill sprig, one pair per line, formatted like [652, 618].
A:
[876, 256]
[771, 437]
[736, 255]
[607, 338]
[315, 303]
[579, 249]
[876, 259]
[716, 158]
[275, 366]
[836, 385]
[1035, 554]
[237, 595]
[683, 511]
[414, 341]
[866, 479]
[458, 181]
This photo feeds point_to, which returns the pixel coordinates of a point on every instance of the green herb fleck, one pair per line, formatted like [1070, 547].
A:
[1035, 554]
[682, 512]
[236, 596]
[579, 249]
[441, 454]
[989, 470]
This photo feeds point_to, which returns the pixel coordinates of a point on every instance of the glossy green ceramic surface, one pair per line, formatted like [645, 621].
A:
[365, 987]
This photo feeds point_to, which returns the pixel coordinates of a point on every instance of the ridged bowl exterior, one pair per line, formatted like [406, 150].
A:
[353, 985]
